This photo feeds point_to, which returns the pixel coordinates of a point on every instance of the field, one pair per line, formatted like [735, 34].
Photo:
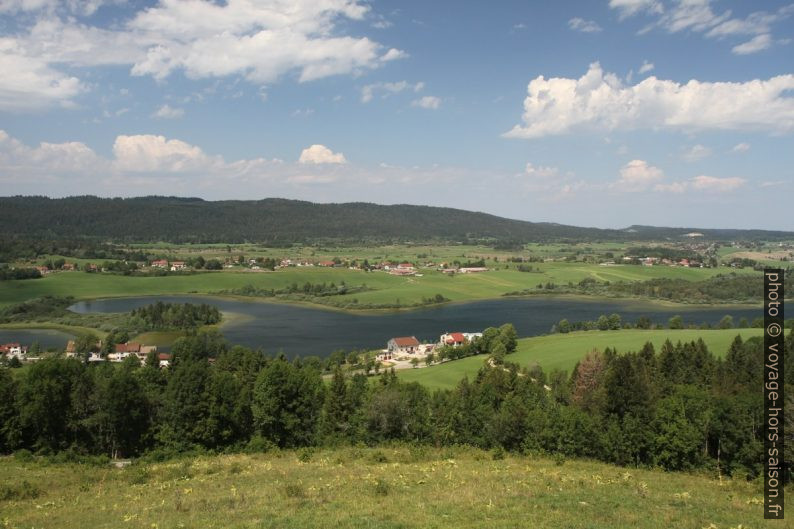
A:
[390, 487]
[384, 288]
[562, 351]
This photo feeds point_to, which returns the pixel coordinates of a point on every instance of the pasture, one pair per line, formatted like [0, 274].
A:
[562, 351]
[383, 288]
[391, 487]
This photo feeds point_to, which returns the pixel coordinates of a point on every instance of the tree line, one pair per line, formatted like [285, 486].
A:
[722, 288]
[680, 408]
[164, 316]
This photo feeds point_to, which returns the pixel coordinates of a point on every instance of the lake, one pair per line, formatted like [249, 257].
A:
[299, 330]
[46, 337]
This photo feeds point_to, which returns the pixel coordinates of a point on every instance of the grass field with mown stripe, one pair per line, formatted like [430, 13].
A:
[562, 351]
[373, 488]
[385, 288]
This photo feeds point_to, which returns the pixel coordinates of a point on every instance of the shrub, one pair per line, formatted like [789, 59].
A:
[23, 490]
[381, 488]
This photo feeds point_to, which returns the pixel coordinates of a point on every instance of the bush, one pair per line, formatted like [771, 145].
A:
[294, 490]
[381, 488]
[23, 456]
[259, 445]
[23, 490]
[378, 457]
[138, 475]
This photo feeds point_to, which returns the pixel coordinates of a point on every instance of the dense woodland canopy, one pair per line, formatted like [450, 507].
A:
[280, 221]
[678, 408]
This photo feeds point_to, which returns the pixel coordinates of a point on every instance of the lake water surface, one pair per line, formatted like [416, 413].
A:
[304, 331]
[46, 337]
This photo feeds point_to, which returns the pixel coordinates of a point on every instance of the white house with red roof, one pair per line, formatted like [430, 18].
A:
[160, 263]
[403, 345]
[456, 339]
[14, 350]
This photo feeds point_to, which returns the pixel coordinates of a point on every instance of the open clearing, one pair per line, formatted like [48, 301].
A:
[386, 488]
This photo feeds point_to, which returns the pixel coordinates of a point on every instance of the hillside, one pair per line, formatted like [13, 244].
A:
[280, 221]
[384, 488]
[562, 351]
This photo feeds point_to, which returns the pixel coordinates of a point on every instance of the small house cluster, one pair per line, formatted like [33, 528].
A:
[14, 350]
[164, 264]
[410, 346]
[121, 352]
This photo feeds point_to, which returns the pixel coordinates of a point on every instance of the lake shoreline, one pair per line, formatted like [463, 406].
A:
[651, 302]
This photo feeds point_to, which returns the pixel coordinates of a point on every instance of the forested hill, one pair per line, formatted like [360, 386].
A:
[275, 221]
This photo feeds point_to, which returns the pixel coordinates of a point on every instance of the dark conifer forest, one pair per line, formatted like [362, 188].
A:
[679, 408]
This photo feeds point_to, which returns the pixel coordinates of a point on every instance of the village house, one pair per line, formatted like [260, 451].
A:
[178, 265]
[164, 360]
[403, 345]
[326, 263]
[69, 266]
[14, 350]
[472, 270]
[160, 263]
[43, 270]
[456, 339]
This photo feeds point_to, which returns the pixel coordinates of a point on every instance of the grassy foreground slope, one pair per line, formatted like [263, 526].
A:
[562, 351]
[376, 489]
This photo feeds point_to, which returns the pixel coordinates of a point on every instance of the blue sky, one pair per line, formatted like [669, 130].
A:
[597, 113]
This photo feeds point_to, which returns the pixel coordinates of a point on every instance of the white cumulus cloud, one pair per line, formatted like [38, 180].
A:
[148, 153]
[628, 8]
[741, 147]
[637, 175]
[49, 157]
[260, 41]
[696, 152]
[429, 102]
[540, 171]
[320, 154]
[386, 89]
[29, 83]
[703, 183]
[168, 112]
[584, 26]
[646, 67]
[713, 183]
[600, 101]
[754, 45]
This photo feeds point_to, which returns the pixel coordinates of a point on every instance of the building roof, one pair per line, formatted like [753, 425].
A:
[406, 341]
[456, 337]
[129, 347]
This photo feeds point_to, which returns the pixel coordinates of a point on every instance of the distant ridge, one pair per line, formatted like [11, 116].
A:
[281, 221]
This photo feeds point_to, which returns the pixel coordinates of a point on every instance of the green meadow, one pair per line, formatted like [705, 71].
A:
[384, 288]
[562, 351]
[384, 488]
